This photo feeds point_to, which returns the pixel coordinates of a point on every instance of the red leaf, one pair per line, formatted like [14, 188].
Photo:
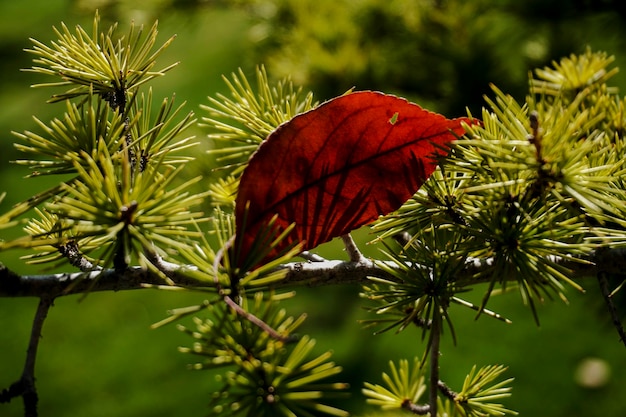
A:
[339, 167]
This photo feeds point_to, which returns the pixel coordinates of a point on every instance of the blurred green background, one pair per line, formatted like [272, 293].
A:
[98, 356]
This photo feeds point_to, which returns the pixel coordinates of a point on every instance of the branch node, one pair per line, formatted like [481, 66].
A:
[311, 257]
[353, 251]
[446, 390]
[420, 410]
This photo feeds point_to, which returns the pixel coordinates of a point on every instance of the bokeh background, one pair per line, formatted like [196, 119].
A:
[98, 356]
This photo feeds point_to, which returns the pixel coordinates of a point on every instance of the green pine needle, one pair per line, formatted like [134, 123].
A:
[159, 139]
[82, 129]
[109, 207]
[573, 74]
[476, 396]
[238, 124]
[403, 385]
[98, 63]
[527, 188]
[263, 376]
[424, 284]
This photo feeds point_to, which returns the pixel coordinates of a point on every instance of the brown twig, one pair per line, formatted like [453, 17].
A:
[604, 288]
[236, 307]
[434, 364]
[25, 386]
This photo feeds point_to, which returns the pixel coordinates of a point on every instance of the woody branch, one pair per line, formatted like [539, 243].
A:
[327, 272]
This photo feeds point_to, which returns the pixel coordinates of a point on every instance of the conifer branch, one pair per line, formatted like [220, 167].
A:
[532, 216]
[329, 272]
